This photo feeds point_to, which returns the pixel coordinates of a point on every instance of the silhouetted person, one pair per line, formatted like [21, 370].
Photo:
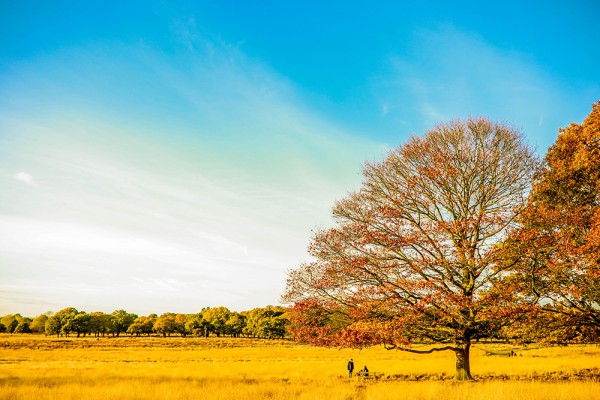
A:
[364, 371]
[350, 368]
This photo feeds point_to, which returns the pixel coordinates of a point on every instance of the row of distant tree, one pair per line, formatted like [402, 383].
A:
[269, 322]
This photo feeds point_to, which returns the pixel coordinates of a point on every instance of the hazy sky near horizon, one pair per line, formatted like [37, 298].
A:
[167, 156]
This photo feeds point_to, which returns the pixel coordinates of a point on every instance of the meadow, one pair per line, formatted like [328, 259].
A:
[38, 367]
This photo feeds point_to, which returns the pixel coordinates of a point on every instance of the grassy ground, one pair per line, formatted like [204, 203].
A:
[33, 367]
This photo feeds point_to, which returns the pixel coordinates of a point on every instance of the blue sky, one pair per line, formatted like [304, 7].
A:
[167, 156]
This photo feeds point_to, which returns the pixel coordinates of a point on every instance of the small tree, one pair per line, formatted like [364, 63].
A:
[82, 323]
[180, 324]
[412, 257]
[38, 325]
[235, 324]
[23, 327]
[217, 318]
[135, 329]
[65, 318]
[53, 325]
[267, 322]
[100, 323]
[142, 325]
[197, 325]
[10, 322]
[120, 321]
[165, 324]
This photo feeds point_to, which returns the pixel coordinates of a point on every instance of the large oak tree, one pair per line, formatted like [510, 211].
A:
[412, 255]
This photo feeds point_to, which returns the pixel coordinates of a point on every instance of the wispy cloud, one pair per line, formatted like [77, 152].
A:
[179, 181]
[385, 109]
[447, 73]
[24, 177]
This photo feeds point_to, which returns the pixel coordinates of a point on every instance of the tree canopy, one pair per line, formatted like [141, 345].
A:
[412, 255]
[263, 322]
[558, 244]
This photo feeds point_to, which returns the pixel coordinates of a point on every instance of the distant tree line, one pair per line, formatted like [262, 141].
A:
[269, 322]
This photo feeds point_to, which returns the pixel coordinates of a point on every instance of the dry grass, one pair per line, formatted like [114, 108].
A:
[177, 368]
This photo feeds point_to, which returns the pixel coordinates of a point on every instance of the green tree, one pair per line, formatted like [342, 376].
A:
[217, 318]
[100, 323]
[180, 324]
[23, 326]
[235, 324]
[81, 323]
[253, 319]
[197, 325]
[38, 325]
[165, 324]
[66, 317]
[142, 325]
[53, 325]
[267, 323]
[10, 322]
[121, 320]
[135, 329]
[148, 325]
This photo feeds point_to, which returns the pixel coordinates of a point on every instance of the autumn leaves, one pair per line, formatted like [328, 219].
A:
[455, 236]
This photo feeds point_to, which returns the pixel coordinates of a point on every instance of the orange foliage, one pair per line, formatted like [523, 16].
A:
[559, 243]
[412, 257]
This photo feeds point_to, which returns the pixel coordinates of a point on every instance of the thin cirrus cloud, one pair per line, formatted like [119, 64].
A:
[163, 182]
[169, 180]
[447, 73]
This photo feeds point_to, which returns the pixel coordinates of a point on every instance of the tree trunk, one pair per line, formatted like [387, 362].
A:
[463, 363]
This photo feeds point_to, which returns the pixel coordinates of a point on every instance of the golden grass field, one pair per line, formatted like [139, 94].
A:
[36, 367]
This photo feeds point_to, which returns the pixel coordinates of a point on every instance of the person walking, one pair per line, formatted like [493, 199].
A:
[350, 368]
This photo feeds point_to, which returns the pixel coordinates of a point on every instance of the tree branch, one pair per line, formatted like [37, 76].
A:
[435, 349]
